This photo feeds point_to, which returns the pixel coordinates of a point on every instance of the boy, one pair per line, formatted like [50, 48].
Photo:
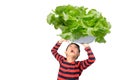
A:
[69, 68]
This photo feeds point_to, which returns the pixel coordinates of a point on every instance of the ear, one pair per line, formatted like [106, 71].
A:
[65, 52]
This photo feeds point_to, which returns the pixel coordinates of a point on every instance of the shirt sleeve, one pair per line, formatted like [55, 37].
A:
[55, 53]
[91, 59]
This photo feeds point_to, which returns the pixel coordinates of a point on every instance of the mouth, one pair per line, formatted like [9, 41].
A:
[72, 51]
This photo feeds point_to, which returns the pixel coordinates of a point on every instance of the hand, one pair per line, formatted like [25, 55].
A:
[85, 45]
[62, 40]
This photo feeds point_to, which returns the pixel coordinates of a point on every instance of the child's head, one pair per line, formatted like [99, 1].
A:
[73, 50]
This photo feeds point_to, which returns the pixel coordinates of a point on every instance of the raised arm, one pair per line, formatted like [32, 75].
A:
[55, 49]
[91, 58]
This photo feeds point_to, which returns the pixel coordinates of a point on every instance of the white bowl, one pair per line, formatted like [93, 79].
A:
[86, 39]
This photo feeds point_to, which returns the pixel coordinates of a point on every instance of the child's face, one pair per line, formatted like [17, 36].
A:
[72, 51]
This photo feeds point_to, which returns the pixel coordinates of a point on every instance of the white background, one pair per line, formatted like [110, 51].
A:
[26, 41]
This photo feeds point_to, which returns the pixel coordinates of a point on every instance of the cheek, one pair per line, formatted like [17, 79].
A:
[76, 51]
[78, 54]
[68, 50]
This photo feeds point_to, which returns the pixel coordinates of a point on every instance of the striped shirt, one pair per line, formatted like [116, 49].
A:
[71, 71]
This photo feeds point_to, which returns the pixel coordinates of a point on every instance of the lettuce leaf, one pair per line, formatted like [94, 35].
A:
[75, 22]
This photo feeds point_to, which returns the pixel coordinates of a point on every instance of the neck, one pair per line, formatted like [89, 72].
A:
[69, 59]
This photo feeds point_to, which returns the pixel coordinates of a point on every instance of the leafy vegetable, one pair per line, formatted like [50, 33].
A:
[75, 22]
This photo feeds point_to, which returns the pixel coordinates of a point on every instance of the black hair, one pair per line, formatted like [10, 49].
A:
[74, 44]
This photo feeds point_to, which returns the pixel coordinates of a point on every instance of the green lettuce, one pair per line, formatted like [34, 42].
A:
[75, 22]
